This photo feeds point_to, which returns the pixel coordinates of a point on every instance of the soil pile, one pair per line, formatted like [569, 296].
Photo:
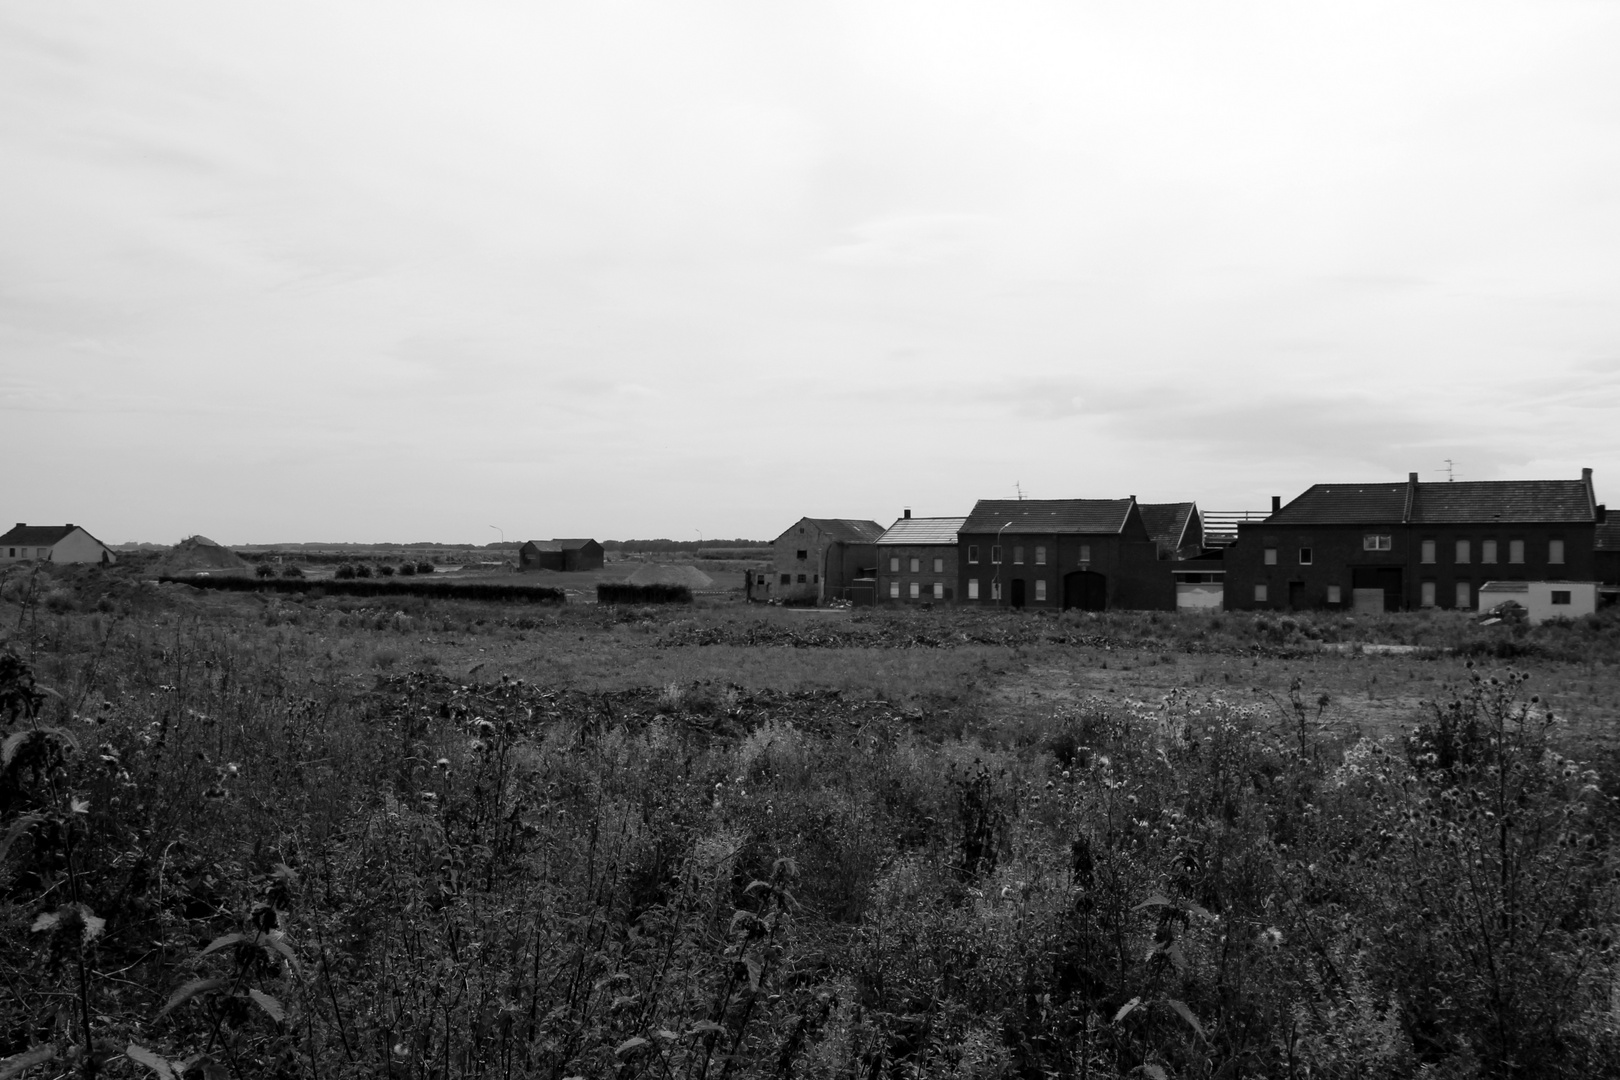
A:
[198, 553]
[690, 576]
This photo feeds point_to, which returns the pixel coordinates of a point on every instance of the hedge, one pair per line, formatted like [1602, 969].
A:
[446, 590]
[643, 594]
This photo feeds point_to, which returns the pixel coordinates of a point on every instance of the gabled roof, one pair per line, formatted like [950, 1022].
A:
[1167, 522]
[561, 545]
[853, 530]
[39, 535]
[1608, 535]
[1085, 516]
[929, 530]
[1485, 501]
[1470, 502]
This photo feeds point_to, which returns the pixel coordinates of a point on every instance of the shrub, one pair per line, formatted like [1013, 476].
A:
[385, 570]
[292, 570]
[344, 572]
[264, 569]
[362, 570]
[643, 594]
[407, 569]
[424, 567]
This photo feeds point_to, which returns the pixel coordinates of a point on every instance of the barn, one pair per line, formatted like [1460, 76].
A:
[566, 555]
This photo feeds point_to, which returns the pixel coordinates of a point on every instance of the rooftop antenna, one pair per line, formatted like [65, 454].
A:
[1020, 489]
[1449, 468]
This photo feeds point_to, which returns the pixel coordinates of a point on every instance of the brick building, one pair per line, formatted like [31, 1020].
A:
[1091, 554]
[1396, 547]
[820, 559]
[1176, 528]
[567, 555]
[916, 560]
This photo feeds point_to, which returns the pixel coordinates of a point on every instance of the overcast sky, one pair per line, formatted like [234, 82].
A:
[396, 271]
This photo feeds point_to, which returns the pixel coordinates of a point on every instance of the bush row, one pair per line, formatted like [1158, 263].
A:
[447, 590]
[643, 594]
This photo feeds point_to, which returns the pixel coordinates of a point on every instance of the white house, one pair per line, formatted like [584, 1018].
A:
[53, 543]
[1542, 600]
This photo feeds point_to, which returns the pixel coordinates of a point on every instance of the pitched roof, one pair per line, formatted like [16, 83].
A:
[1087, 516]
[853, 530]
[1608, 535]
[561, 545]
[1167, 522]
[1440, 503]
[37, 535]
[928, 530]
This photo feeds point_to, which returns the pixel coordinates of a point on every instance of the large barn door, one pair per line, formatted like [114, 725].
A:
[1086, 590]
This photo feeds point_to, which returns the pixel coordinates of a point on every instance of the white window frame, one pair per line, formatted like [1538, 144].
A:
[995, 554]
[1306, 556]
[1040, 555]
[1487, 552]
[1555, 552]
[995, 590]
[939, 590]
[916, 565]
[973, 588]
[1377, 542]
[1464, 596]
[1085, 553]
[1018, 554]
[1515, 552]
[1271, 556]
[1463, 552]
[1426, 593]
[939, 564]
[1335, 594]
[973, 554]
[915, 590]
[894, 590]
[1040, 590]
[1261, 594]
[894, 564]
[1428, 551]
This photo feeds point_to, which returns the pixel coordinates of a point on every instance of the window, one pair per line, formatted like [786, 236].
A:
[894, 590]
[1375, 542]
[1304, 556]
[1335, 596]
[973, 588]
[801, 579]
[1465, 552]
[995, 590]
[1271, 556]
[1464, 597]
[1085, 553]
[1040, 556]
[914, 590]
[939, 590]
[1040, 588]
[1259, 594]
[1555, 552]
[1487, 551]
[803, 554]
[973, 554]
[1560, 596]
[939, 565]
[1428, 552]
[894, 564]
[1018, 556]
[916, 564]
[1515, 551]
[995, 556]
[815, 579]
[787, 579]
[1426, 594]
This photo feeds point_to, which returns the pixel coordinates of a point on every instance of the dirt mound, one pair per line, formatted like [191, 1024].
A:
[198, 553]
[690, 576]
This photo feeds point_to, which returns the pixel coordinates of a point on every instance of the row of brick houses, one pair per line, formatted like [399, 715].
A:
[1367, 547]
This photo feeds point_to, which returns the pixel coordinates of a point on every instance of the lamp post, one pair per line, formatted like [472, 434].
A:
[500, 530]
[996, 551]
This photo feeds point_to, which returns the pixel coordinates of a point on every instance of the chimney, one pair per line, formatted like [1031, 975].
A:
[1276, 503]
[1411, 478]
[908, 513]
[1586, 474]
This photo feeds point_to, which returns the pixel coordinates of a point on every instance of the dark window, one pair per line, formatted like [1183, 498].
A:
[1304, 556]
[995, 555]
[815, 579]
[787, 579]
[801, 579]
[804, 554]
[1560, 596]
[973, 553]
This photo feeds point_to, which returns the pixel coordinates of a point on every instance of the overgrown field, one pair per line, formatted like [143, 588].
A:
[246, 835]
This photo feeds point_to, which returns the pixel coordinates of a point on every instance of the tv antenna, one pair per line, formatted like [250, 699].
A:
[1018, 487]
[1450, 467]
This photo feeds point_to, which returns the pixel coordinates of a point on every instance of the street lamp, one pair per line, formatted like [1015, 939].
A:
[498, 529]
[995, 582]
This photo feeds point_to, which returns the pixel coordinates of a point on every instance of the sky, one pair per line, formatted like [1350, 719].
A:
[400, 271]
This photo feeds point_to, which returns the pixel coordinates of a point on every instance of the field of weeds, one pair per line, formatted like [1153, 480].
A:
[250, 836]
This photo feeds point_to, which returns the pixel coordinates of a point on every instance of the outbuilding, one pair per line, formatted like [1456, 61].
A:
[53, 543]
[916, 560]
[565, 555]
[819, 559]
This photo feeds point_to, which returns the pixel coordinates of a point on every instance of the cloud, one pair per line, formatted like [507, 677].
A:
[912, 240]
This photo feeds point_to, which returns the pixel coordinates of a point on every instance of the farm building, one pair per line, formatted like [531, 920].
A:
[1198, 571]
[916, 560]
[1061, 553]
[1396, 547]
[53, 543]
[1606, 559]
[820, 559]
[565, 555]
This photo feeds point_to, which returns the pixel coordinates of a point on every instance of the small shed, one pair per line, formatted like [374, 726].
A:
[567, 555]
[1542, 600]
